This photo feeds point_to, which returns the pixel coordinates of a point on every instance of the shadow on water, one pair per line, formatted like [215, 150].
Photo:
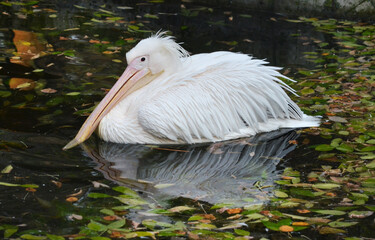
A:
[216, 173]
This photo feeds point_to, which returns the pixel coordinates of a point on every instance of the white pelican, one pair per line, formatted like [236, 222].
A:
[166, 96]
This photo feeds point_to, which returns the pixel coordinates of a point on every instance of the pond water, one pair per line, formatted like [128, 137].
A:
[57, 59]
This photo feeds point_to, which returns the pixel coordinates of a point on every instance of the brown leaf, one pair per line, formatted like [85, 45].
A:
[303, 211]
[58, 184]
[237, 216]
[331, 194]
[300, 224]
[71, 199]
[234, 210]
[285, 228]
[30, 189]
[48, 90]
[205, 221]
[76, 194]
[75, 217]
[318, 220]
[208, 216]
[221, 210]
[193, 236]
[110, 218]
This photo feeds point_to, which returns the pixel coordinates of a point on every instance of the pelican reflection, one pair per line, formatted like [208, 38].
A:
[221, 172]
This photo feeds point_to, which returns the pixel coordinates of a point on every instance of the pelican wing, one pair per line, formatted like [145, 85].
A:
[215, 95]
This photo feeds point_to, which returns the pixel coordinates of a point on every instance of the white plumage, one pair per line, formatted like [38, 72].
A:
[172, 97]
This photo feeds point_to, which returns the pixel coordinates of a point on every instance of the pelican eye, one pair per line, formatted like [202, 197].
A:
[143, 59]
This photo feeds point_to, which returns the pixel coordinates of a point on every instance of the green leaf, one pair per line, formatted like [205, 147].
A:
[357, 196]
[32, 237]
[54, 237]
[255, 216]
[29, 185]
[125, 190]
[131, 201]
[5, 94]
[73, 93]
[345, 148]
[324, 148]
[195, 218]
[205, 226]
[95, 226]
[241, 232]
[368, 149]
[100, 238]
[221, 205]
[280, 194]
[10, 231]
[117, 224]
[326, 185]
[341, 224]
[9, 184]
[108, 212]
[330, 212]
[98, 195]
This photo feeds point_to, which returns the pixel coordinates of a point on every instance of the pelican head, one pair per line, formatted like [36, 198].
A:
[150, 58]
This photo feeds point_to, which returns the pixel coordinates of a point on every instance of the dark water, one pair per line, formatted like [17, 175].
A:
[72, 50]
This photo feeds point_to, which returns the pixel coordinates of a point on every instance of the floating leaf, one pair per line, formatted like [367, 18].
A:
[331, 212]
[95, 226]
[32, 237]
[54, 237]
[241, 232]
[118, 224]
[180, 209]
[324, 148]
[360, 214]
[98, 195]
[330, 230]
[338, 224]
[285, 228]
[326, 185]
[280, 194]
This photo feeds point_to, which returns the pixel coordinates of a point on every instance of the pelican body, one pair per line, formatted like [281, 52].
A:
[166, 96]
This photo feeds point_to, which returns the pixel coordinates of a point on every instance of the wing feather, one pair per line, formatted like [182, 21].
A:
[217, 94]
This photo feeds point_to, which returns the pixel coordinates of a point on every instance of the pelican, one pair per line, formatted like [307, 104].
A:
[166, 96]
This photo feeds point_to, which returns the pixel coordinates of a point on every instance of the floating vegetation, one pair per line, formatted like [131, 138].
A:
[55, 70]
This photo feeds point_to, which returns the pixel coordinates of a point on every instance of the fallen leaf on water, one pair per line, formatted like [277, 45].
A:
[76, 194]
[71, 199]
[7, 169]
[180, 209]
[300, 224]
[329, 230]
[30, 189]
[48, 90]
[360, 214]
[337, 119]
[234, 210]
[75, 217]
[303, 211]
[285, 228]
[98, 184]
[110, 218]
